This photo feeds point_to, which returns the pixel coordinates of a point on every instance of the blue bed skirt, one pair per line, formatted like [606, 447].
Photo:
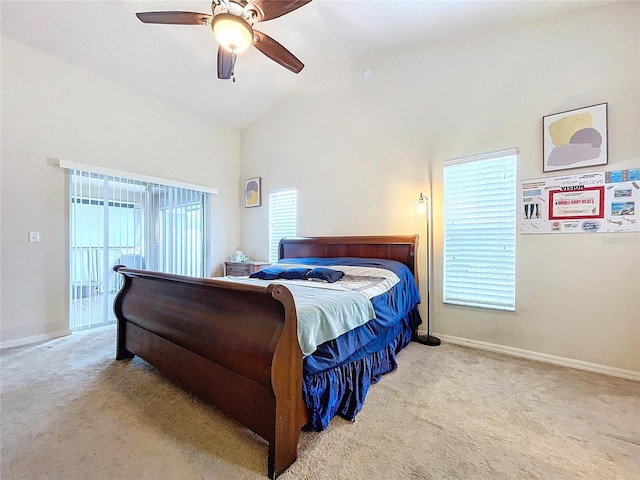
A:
[341, 390]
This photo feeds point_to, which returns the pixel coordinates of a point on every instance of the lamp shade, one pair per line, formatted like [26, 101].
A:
[422, 204]
[232, 32]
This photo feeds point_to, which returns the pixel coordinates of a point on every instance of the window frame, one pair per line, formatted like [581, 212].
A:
[480, 274]
[277, 197]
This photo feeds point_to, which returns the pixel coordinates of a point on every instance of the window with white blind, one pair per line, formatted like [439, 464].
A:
[480, 230]
[117, 218]
[283, 218]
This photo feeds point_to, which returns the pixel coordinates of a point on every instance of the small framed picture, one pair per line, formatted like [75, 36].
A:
[252, 192]
[575, 138]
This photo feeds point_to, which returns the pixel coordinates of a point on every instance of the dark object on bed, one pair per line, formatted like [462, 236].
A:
[297, 273]
[324, 274]
[236, 345]
[269, 273]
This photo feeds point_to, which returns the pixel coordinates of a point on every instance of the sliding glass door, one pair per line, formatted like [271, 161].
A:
[144, 225]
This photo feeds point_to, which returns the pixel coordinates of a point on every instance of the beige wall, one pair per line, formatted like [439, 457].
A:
[360, 151]
[51, 109]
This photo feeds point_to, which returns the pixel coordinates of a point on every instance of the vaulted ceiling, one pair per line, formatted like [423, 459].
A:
[177, 63]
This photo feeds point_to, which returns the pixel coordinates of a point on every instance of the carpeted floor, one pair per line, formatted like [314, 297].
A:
[70, 411]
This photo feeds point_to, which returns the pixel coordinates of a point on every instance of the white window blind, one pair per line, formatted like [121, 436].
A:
[480, 230]
[117, 220]
[283, 218]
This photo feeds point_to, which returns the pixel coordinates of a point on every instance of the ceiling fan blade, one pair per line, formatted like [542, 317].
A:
[276, 8]
[276, 52]
[174, 18]
[226, 63]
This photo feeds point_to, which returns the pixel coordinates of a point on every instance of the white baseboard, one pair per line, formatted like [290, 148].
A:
[542, 357]
[36, 338]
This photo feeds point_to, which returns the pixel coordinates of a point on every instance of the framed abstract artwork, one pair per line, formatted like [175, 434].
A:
[252, 195]
[575, 138]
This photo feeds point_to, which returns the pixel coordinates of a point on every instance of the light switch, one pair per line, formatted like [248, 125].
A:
[34, 237]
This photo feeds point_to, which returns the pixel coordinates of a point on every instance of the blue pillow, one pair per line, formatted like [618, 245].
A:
[269, 273]
[325, 274]
[298, 273]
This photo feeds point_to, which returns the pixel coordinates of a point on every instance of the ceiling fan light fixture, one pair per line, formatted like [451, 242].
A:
[232, 32]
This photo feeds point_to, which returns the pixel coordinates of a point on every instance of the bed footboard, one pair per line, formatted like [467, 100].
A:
[235, 346]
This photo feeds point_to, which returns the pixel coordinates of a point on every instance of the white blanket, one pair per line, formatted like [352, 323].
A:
[327, 310]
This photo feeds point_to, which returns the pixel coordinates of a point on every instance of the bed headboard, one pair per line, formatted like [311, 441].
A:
[401, 248]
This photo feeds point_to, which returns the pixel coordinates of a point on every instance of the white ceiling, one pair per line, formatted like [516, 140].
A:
[178, 63]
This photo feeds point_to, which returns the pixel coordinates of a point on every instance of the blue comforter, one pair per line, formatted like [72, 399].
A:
[389, 309]
[337, 376]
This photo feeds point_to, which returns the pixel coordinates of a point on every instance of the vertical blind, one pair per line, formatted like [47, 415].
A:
[480, 230]
[283, 218]
[138, 223]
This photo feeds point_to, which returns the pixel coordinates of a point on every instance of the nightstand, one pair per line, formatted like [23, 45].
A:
[242, 269]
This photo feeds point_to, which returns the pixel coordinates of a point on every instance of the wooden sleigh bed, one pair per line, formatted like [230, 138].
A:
[236, 345]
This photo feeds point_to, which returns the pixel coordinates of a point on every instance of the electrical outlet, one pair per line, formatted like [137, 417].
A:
[34, 237]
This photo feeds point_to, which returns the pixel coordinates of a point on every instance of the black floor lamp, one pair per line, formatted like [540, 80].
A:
[428, 339]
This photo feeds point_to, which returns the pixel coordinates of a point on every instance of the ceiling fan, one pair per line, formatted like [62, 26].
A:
[232, 23]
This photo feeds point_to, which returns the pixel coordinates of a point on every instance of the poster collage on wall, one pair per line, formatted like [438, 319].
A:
[603, 202]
